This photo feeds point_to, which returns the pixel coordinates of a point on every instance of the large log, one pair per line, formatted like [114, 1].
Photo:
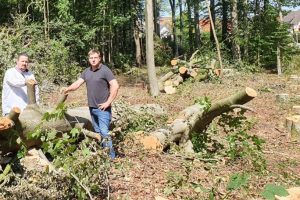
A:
[17, 126]
[196, 119]
[30, 118]
[193, 118]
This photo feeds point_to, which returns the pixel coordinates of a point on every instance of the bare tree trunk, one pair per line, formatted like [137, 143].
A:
[213, 18]
[246, 29]
[173, 8]
[196, 24]
[235, 30]
[46, 20]
[150, 50]
[180, 22]
[190, 25]
[225, 22]
[138, 54]
[156, 17]
[216, 39]
[278, 53]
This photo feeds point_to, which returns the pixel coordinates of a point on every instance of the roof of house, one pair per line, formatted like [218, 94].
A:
[293, 17]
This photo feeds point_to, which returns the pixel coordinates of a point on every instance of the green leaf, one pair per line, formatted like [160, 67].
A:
[46, 116]
[86, 152]
[271, 190]
[18, 140]
[237, 180]
[66, 136]
[74, 132]
[51, 135]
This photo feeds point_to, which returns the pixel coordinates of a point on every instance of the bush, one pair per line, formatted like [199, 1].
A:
[162, 52]
[50, 59]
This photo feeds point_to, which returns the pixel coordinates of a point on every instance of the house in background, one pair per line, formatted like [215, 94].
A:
[166, 26]
[293, 19]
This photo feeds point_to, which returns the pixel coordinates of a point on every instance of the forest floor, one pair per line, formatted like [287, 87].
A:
[149, 175]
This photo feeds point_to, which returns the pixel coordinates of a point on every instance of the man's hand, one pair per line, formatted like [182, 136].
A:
[31, 82]
[103, 106]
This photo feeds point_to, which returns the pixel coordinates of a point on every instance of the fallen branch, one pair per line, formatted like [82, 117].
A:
[83, 186]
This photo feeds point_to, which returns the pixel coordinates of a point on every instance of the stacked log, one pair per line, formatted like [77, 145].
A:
[180, 72]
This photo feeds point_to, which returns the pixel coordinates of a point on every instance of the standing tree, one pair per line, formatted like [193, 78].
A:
[225, 21]
[190, 26]
[215, 37]
[173, 9]
[280, 18]
[150, 49]
[235, 30]
[196, 23]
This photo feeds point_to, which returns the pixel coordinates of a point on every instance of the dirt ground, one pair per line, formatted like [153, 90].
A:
[144, 175]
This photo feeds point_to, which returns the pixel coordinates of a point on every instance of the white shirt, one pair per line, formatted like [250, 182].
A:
[14, 93]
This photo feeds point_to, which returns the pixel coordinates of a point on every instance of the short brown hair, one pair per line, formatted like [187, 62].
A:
[22, 54]
[93, 51]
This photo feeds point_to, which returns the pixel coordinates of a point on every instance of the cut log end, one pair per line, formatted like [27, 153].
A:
[170, 89]
[182, 70]
[31, 82]
[14, 114]
[251, 92]
[174, 62]
[16, 110]
[5, 123]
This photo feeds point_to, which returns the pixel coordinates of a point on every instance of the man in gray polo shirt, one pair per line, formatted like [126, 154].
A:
[102, 89]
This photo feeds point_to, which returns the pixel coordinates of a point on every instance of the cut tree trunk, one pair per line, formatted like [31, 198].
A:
[30, 119]
[195, 119]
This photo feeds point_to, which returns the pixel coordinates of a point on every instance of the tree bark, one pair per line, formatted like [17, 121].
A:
[138, 53]
[154, 90]
[215, 36]
[235, 30]
[196, 24]
[225, 21]
[173, 9]
[190, 26]
[196, 119]
[278, 53]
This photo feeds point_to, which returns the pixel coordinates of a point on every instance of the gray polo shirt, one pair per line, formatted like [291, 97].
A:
[97, 84]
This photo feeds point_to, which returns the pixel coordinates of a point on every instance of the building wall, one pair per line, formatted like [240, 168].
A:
[297, 27]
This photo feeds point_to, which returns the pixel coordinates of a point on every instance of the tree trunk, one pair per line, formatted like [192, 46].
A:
[246, 30]
[190, 25]
[213, 18]
[156, 17]
[180, 22]
[154, 90]
[235, 31]
[278, 53]
[30, 119]
[173, 9]
[225, 21]
[196, 24]
[195, 119]
[138, 54]
[216, 39]
[191, 119]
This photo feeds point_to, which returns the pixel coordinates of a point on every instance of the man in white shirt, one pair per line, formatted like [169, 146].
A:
[14, 93]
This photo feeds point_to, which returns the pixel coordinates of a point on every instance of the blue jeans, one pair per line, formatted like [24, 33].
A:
[101, 121]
